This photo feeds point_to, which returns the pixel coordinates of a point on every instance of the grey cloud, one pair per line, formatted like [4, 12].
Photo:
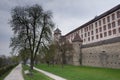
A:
[68, 14]
[5, 5]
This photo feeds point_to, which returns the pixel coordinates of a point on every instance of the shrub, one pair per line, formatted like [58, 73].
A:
[6, 69]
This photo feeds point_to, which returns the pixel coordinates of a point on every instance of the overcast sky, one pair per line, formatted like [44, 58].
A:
[67, 14]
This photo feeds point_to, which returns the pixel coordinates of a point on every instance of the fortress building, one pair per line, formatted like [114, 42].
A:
[97, 42]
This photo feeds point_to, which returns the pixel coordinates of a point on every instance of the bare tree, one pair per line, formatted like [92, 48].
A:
[32, 28]
[50, 54]
[63, 47]
[24, 55]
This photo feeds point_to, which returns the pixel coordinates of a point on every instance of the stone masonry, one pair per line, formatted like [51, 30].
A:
[95, 43]
[107, 55]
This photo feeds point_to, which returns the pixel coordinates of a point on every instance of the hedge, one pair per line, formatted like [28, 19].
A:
[6, 69]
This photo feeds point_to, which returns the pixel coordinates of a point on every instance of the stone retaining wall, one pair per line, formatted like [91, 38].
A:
[104, 55]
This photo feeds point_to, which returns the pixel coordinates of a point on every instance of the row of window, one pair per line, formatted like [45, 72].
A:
[110, 25]
[104, 20]
[105, 34]
[100, 29]
[101, 35]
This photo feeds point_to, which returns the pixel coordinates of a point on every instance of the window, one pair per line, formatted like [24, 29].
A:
[103, 20]
[114, 31]
[96, 30]
[109, 32]
[85, 34]
[71, 35]
[109, 26]
[108, 19]
[95, 24]
[88, 33]
[77, 32]
[92, 26]
[89, 27]
[118, 14]
[100, 29]
[99, 22]
[118, 22]
[81, 30]
[104, 27]
[113, 16]
[119, 30]
[84, 40]
[91, 32]
[85, 29]
[113, 24]
[92, 37]
[96, 36]
[101, 36]
[105, 34]
[81, 36]
[89, 39]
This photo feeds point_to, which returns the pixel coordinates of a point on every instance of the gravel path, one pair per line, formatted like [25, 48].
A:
[15, 74]
[55, 77]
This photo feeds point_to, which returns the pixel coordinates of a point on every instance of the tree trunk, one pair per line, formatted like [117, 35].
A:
[62, 65]
[31, 62]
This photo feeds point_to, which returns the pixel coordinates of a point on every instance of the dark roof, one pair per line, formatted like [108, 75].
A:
[96, 18]
[57, 31]
[77, 38]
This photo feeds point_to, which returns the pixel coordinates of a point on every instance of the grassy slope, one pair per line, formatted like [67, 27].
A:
[36, 75]
[83, 73]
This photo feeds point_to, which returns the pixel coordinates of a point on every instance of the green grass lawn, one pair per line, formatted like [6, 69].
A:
[36, 75]
[82, 73]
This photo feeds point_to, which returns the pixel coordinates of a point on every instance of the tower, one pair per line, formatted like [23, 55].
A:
[77, 55]
[57, 37]
[57, 34]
